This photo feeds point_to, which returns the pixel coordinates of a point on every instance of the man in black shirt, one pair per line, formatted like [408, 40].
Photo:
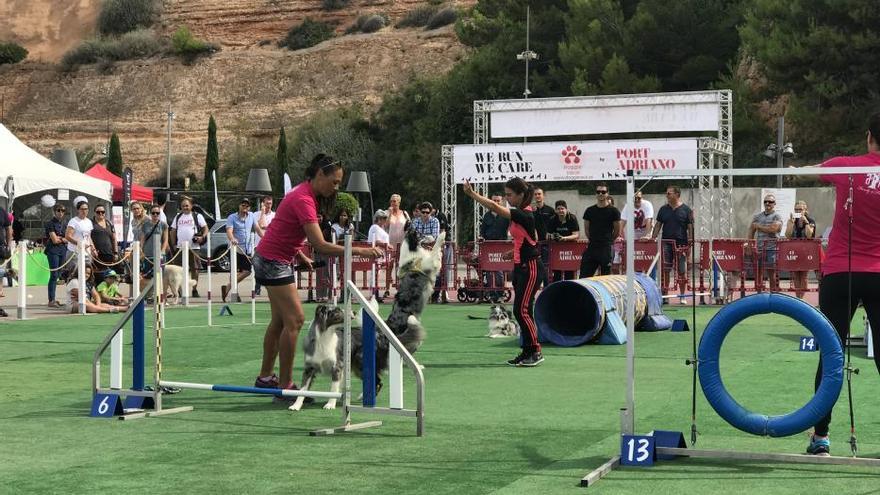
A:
[563, 227]
[601, 226]
[676, 219]
[543, 215]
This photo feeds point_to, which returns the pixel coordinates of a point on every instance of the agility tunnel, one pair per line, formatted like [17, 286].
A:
[591, 310]
[761, 424]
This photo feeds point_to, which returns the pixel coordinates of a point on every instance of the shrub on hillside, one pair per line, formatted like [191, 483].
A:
[184, 44]
[307, 34]
[369, 23]
[137, 44]
[418, 17]
[123, 16]
[12, 53]
[442, 17]
[334, 4]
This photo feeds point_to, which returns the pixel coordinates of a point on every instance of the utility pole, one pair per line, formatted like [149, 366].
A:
[168, 149]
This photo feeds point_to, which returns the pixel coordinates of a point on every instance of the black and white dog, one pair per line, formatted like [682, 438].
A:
[324, 346]
[501, 323]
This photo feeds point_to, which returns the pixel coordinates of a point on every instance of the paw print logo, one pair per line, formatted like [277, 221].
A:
[571, 155]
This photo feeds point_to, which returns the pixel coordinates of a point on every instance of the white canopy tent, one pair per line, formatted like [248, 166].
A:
[32, 172]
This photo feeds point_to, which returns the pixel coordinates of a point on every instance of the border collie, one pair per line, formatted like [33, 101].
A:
[324, 346]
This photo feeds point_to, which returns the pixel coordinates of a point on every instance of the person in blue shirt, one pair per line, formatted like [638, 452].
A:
[239, 226]
[427, 226]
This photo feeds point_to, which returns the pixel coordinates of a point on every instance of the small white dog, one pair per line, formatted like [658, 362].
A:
[172, 283]
[500, 323]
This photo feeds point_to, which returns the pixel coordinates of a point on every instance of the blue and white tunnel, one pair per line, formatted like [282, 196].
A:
[591, 310]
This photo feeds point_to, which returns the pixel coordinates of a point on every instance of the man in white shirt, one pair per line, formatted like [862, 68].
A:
[189, 227]
[79, 230]
[263, 218]
[642, 214]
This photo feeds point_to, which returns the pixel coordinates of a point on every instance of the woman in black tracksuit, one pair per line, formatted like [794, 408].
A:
[526, 262]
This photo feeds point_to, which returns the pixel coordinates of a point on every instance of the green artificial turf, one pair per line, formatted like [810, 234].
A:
[489, 427]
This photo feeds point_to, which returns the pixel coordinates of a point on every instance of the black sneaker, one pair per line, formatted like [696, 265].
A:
[518, 359]
[532, 360]
[195, 293]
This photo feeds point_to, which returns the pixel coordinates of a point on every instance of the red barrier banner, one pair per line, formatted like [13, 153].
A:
[360, 263]
[799, 255]
[491, 256]
[729, 254]
[644, 252]
[566, 256]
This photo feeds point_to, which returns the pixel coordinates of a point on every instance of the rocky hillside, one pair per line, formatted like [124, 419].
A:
[250, 87]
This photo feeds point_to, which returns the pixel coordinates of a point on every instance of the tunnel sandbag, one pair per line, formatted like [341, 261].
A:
[655, 320]
[591, 310]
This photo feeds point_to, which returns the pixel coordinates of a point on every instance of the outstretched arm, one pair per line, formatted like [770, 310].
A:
[488, 203]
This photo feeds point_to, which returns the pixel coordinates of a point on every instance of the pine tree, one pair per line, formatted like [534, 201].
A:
[212, 158]
[281, 162]
[114, 156]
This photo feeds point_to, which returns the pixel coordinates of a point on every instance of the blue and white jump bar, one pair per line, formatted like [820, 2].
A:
[278, 392]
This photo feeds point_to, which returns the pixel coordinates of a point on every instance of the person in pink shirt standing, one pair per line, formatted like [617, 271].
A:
[296, 221]
[851, 269]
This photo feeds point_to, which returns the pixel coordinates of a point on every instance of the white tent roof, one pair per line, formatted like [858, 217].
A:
[32, 172]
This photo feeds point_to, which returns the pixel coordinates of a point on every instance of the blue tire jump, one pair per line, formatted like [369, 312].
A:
[759, 424]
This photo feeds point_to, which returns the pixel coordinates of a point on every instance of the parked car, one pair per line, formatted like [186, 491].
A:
[219, 243]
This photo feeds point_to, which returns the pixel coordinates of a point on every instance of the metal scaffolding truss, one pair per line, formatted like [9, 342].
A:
[714, 152]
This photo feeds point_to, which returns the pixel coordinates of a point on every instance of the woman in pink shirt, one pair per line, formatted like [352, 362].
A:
[851, 269]
[296, 221]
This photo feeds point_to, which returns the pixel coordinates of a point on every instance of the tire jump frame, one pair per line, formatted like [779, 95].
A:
[710, 344]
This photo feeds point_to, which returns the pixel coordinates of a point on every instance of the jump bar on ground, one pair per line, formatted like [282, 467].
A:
[684, 296]
[757, 456]
[253, 390]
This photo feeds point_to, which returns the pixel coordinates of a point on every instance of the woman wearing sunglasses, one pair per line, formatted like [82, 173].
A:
[104, 239]
[56, 250]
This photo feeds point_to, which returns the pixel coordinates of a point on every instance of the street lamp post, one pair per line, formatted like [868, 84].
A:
[780, 149]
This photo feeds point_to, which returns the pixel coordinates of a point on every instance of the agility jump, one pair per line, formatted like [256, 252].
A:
[138, 399]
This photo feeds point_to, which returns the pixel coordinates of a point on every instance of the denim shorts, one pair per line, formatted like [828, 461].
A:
[269, 272]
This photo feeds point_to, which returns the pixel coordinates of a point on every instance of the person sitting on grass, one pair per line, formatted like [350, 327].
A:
[93, 299]
[109, 290]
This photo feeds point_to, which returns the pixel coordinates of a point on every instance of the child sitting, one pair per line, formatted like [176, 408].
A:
[109, 290]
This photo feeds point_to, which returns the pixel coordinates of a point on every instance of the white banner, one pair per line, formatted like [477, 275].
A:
[609, 114]
[568, 161]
